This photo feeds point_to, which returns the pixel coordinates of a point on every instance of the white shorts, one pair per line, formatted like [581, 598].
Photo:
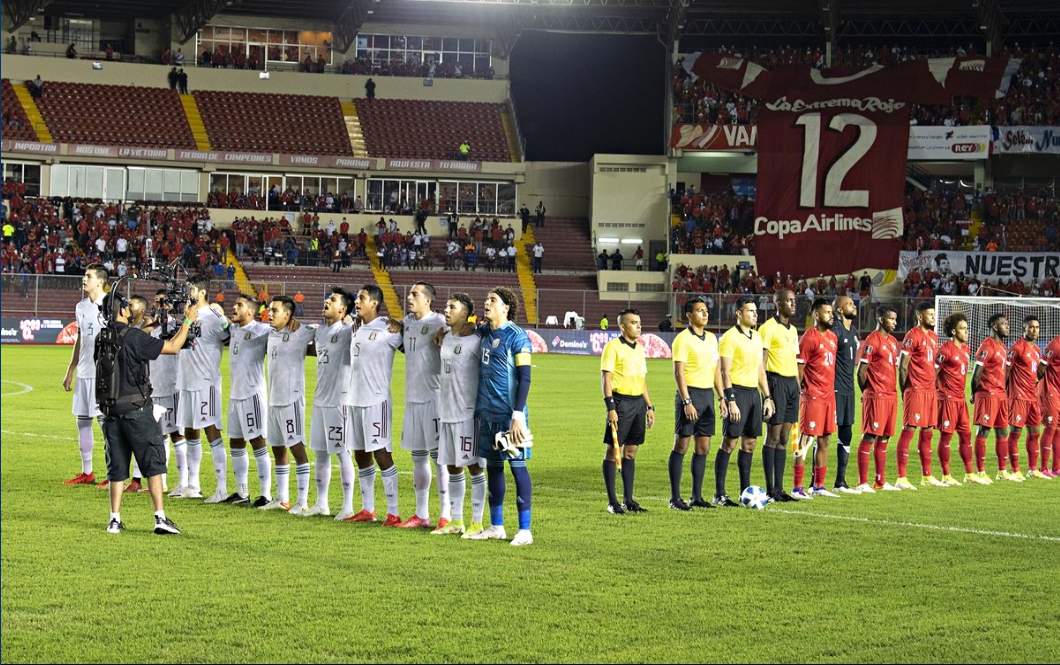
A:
[85, 405]
[166, 406]
[421, 426]
[287, 424]
[330, 432]
[370, 427]
[247, 419]
[198, 409]
[459, 444]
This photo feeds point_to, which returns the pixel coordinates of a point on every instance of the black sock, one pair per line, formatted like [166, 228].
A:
[609, 481]
[629, 469]
[721, 469]
[699, 469]
[677, 462]
[743, 462]
[767, 466]
[780, 459]
[843, 454]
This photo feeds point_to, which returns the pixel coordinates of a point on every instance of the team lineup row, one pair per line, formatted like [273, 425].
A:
[768, 374]
[465, 403]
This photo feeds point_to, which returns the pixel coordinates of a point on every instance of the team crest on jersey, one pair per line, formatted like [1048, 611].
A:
[986, 416]
[875, 425]
[945, 423]
[423, 331]
[458, 349]
[813, 424]
[286, 337]
[496, 342]
[246, 335]
[917, 417]
[334, 339]
[372, 337]
[1018, 417]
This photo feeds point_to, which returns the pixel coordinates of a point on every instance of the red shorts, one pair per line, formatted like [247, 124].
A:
[1050, 410]
[878, 415]
[1024, 413]
[991, 411]
[817, 416]
[953, 416]
[919, 408]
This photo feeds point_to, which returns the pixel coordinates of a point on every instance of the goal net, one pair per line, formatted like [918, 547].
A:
[980, 309]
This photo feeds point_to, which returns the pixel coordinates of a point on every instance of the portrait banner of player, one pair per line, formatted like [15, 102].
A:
[697, 373]
[1024, 357]
[916, 376]
[991, 403]
[817, 415]
[744, 381]
[630, 413]
[1049, 398]
[780, 343]
[845, 311]
[878, 380]
[85, 410]
[951, 377]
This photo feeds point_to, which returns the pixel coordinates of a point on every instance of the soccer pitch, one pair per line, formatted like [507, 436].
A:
[947, 574]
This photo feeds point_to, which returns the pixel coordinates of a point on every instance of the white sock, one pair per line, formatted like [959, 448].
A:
[457, 490]
[301, 481]
[347, 473]
[283, 483]
[115, 516]
[180, 451]
[478, 497]
[220, 464]
[366, 478]
[166, 445]
[421, 481]
[323, 477]
[194, 462]
[444, 508]
[86, 441]
[264, 466]
[390, 487]
[241, 469]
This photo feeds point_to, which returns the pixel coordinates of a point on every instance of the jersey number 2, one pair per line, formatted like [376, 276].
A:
[834, 194]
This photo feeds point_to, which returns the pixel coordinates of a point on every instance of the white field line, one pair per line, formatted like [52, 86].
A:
[26, 388]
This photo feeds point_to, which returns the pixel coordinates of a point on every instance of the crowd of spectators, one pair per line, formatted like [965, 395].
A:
[430, 69]
[711, 223]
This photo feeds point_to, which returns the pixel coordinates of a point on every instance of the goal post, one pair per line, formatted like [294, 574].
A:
[979, 309]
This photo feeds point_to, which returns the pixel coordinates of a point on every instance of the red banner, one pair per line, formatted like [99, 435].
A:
[729, 138]
[832, 154]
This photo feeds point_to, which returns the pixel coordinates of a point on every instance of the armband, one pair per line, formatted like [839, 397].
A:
[187, 321]
[730, 396]
[610, 403]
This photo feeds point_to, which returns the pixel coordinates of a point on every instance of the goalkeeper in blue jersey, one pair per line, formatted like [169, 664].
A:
[504, 383]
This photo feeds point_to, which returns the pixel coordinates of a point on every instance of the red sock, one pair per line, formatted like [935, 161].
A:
[944, 452]
[881, 461]
[799, 472]
[819, 472]
[903, 451]
[980, 453]
[864, 453]
[1050, 442]
[924, 448]
[1001, 448]
[965, 439]
[1056, 449]
[1032, 451]
[1013, 444]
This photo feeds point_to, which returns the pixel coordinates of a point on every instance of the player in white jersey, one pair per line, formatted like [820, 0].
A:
[458, 445]
[247, 419]
[288, 342]
[420, 432]
[164, 389]
[199, 382]
[330, 433]
[82, 360]
[372, 349]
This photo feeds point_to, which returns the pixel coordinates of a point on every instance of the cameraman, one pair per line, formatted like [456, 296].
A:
[129, 425]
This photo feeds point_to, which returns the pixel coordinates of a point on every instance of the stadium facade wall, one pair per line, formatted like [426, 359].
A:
[628, 197]
[620, 284]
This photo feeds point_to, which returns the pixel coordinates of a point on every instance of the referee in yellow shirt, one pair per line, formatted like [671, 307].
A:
[624, 369]
[742, 376]
[780, 343]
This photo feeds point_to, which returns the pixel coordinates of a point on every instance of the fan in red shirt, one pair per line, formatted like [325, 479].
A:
[916, 375]
[988, 385]
[817, 417]
[1024, 411]
[951, 364]
[878, 378]
[1049, 396]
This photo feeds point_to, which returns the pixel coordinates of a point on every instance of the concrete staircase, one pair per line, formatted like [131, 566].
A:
[198, 128]
[512, 134]
[36, 120]
[353, 128]
[382, 279]
[523, 268]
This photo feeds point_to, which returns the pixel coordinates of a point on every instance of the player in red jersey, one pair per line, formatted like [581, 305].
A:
[916, 376]
[951, 364]
[817, 415]
[1024, 410]
[878, 378]
[988, 386]
[1049, 396]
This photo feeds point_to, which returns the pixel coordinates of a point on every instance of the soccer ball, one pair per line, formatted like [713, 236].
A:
[754, 497]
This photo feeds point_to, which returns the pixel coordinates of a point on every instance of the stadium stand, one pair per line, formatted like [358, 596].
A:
[432, 130]
[290, 124]
[16, 123]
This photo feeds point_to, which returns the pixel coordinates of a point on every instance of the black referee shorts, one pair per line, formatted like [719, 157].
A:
[749, 426]
[703, 400]
[844, 410]
[632, 412]
[785, 393]
[133, 433]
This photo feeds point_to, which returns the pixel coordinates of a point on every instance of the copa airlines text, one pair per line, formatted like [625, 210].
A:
[783, 227]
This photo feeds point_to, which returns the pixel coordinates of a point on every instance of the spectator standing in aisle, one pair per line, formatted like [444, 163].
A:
[540, 214]
[539, 252]
[172, 78]
[182, 81]
[369, 89]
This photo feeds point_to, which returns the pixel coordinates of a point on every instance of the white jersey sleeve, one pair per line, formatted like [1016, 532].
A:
[459, 377]
[246, 358]
[200, 363]
[333, 365]
[372, 349]
[287, 351]
[423, 361]
[88, 325]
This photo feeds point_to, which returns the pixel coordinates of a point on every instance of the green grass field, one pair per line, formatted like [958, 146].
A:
[956, 574]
